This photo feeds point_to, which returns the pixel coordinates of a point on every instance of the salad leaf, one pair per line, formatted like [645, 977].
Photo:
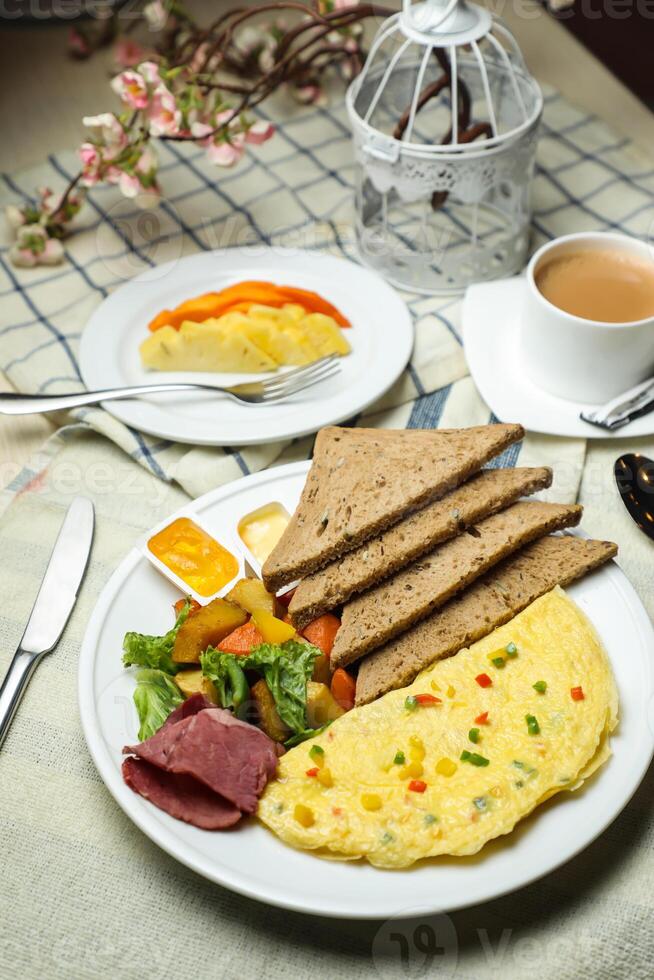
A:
[155, 697]
[285, 667]
[154, 652]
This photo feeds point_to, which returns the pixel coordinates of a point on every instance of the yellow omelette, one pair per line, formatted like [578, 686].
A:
[462, 754]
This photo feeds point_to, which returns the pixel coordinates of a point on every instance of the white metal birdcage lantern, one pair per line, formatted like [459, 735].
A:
[445, 117]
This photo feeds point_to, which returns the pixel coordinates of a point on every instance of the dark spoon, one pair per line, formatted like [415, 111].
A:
[634, 475]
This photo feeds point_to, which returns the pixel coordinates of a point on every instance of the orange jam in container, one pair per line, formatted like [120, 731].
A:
[194, 556]
[261, 530]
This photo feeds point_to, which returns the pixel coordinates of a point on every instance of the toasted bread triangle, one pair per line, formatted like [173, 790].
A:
[484, 494]
[363, 481]
[494, 599]
[375, 617]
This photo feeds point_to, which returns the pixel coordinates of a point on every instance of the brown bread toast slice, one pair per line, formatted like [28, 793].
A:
[491, 601]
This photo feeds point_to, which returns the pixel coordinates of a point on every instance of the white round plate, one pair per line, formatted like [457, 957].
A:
[491, 325]
[381, 338]
[249, 859]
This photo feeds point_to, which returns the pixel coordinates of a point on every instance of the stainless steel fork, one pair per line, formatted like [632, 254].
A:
[268, 392]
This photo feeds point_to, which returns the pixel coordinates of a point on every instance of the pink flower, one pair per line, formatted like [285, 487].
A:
[309, 95]
[108, 133]
[226, 154]
[131, 88]
[156, 14]
[259, 132]
[150, 72]
[200, 130]
[34, 247]
[147, 162]
[91, 164]
[129, 184]
[164, 116]
[128, 53]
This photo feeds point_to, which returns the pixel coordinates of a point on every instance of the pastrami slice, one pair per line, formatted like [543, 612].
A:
[180, 796]
[232, 758]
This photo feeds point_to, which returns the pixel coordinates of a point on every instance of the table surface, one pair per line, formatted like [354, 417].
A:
[34, 61]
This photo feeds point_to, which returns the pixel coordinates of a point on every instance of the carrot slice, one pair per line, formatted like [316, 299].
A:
[322, 632]
[343, 688]
[242, 640]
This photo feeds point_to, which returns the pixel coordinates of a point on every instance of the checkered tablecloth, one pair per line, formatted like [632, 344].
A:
[83, 894]
[295, 190]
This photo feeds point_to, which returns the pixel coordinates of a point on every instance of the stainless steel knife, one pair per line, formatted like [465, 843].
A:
[53, 605]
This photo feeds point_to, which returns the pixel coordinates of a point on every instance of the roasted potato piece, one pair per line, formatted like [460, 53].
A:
[194, 682]
[269, 719]
[206, 627]
[321, 706]
[321, 671]
[250, 594]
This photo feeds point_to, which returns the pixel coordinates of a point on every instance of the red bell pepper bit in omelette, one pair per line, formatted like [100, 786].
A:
[482, 719]
[577, 694]
[312, 772]
[424, 700]
[483, 680]
[417, 786]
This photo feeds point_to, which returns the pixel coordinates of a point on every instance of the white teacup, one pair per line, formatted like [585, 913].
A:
[578, 359]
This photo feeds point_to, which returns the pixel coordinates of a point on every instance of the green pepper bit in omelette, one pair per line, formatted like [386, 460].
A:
[473, 735]
[473, 758]
[532, 725]
[400, 758]
[540, 686]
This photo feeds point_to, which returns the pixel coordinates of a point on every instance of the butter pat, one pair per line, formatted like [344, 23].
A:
[261, 529]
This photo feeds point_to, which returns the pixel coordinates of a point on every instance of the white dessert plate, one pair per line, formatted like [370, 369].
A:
[491, 340]
[249, 859]
[381, 338]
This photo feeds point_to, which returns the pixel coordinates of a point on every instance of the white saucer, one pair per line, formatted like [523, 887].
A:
[490, 320]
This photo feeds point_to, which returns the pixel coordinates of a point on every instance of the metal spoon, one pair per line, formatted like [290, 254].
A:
[634, 475]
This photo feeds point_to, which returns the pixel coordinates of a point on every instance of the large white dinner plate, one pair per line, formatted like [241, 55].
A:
[381, 338]
[249, 859]
[491, 339]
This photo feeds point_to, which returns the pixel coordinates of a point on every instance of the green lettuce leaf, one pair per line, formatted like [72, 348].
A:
[155, 697]
[154, 652]
[286, 668]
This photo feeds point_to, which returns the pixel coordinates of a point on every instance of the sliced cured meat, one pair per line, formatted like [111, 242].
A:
[197, 702]
[181, 796]
[232, 758]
